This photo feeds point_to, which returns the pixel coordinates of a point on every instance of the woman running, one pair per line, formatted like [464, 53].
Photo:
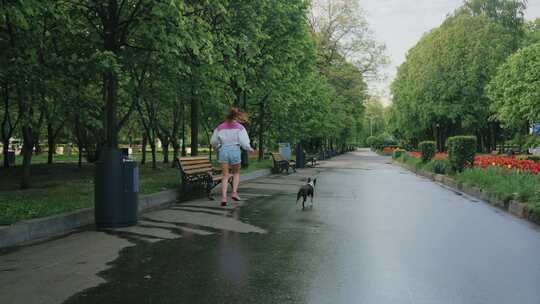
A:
[228, 138]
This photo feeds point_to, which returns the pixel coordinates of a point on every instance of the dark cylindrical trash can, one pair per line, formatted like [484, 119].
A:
[125, 152]
[11, 157]
[116, 188]
[300, 157]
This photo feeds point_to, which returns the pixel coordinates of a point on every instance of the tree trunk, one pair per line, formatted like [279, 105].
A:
[28, 145]
[110, 79]
[51, 143]
[144, 143]
[184, 152]
[153, 148]
[5, 149]
[195, 118]
[174, 136]
[6, 127]
[80, 148]
[165, 151]
[176, 153]
[261, 127]
[37, 148]
[245, 154]
[492, 137]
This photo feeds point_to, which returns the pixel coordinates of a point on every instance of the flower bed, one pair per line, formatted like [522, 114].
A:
[389, 150]
[510, 163]
[486, 161]
[416, 154]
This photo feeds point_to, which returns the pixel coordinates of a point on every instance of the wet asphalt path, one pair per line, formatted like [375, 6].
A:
[376, 234]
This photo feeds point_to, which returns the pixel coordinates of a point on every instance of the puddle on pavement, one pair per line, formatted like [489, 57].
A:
[233, 264]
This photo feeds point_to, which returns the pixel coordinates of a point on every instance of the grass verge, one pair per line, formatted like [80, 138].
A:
[506, 184]
[62, 187]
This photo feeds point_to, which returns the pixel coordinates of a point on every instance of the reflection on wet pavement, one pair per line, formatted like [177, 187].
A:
[375, 234]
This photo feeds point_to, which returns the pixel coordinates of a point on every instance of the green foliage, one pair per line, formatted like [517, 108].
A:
[507, 184]
[439, 166]
[374, 122]
[532, 32]
[515, 89]
[534, 158]
[411, 161]
[428, 150]
[398, 153]
[461, 151]
[119, 71]
[439, 90]
[381, 141]
[370, 141]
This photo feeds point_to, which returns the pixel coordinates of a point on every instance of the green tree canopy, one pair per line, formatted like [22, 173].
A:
[515, 90]
[439, 90]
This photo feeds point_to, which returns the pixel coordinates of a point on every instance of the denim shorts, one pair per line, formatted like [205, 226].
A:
[230, 155]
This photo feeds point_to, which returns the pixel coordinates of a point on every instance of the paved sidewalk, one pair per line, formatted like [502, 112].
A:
[53, 271]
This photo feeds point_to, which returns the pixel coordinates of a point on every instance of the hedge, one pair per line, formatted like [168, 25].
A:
[428, 150]
[461, 152]
[398, 153]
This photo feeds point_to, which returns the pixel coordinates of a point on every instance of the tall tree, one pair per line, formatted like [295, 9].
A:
[515, 91]
[439, 90]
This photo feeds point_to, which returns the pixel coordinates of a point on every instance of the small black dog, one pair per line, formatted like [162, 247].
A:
[306, 190]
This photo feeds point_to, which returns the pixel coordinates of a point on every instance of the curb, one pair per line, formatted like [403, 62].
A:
[516, 208]
[35, 230]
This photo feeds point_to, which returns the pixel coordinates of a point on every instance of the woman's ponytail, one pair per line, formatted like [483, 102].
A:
[235, 114]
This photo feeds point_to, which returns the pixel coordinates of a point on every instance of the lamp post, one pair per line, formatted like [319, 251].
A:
[370, 117]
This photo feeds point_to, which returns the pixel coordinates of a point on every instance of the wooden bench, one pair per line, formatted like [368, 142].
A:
[281, 164]
[197, 170]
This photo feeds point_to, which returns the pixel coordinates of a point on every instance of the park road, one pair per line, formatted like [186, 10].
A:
[376, 234]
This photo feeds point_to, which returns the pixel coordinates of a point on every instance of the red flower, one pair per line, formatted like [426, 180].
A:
[510, 163]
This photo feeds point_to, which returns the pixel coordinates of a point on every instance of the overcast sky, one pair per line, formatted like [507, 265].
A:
[401, 23]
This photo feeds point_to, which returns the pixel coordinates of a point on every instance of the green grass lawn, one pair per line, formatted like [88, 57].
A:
[62, 187]
[42, 158]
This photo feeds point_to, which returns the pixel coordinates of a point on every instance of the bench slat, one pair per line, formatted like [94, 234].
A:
[188, 158]
[198, 171]
[194, 161]
[277, 156]
[196, 166]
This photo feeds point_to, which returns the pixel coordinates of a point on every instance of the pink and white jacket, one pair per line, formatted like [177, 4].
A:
[231, 134]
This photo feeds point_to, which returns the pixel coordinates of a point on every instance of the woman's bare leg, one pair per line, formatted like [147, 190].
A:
[236, 179]
[224, 182]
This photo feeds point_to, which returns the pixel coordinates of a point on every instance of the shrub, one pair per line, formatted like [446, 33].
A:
[370, 141]
[461, 151]
[388, 151]
[388, 141]
[439, 166]
[381, 141]
[411, 161]
[535, 158]
[428, 150]
[398, 153]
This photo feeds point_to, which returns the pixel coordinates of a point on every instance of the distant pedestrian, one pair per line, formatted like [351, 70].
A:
[228, 138]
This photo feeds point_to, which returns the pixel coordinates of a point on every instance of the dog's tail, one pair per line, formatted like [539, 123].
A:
[298, 196]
